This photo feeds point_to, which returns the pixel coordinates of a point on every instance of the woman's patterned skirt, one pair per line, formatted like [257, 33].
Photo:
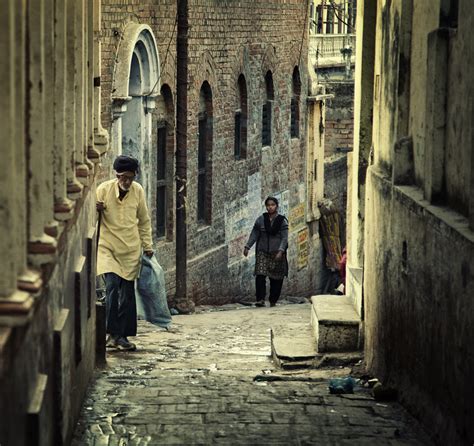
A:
[267, 265]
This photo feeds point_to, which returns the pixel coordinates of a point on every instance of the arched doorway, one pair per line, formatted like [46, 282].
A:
[135, 87]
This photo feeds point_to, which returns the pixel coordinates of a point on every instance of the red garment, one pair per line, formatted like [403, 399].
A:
[342, 269]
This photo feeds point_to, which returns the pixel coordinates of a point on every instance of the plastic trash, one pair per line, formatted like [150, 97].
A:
[150, 290]
[342, 385]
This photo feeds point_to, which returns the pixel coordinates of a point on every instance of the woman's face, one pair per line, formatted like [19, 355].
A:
[271, 206]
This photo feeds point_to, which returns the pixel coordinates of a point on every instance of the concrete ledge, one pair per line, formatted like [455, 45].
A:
[335, 324]
[293, 348]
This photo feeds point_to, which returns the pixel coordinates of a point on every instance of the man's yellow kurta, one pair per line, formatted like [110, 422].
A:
[125, 230]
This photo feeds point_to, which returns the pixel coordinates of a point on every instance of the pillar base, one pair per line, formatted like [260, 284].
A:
[185, 306]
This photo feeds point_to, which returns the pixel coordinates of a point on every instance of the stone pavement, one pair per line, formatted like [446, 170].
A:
[196, 386]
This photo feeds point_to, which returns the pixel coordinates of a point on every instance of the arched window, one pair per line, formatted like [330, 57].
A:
[135, 87]
[267, 111]
[240, 136]
[205, 155]
[295, 104]
[164, 164]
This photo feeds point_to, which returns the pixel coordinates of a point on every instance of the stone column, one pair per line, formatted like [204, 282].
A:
[74, 187]
[81, 167]
[8, 185]
[101, 137]
[92, 155]
[15, 304]
[63, 207]
[51, 227]
[18, 126]
[40, 244]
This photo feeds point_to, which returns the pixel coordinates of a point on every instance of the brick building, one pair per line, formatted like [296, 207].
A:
[247, 131]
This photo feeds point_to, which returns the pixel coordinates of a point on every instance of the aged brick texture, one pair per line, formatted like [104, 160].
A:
[226, 40]
[339, 128]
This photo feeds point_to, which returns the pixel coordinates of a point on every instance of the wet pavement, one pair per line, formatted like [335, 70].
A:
[197, 385]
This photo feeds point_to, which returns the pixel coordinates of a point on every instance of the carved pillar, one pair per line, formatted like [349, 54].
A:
[101, 137]
[74, 187]
[7, 135]
[39, 243]
[63, 207]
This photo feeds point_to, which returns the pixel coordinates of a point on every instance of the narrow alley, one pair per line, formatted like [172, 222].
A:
[202, 157]
[212, 381]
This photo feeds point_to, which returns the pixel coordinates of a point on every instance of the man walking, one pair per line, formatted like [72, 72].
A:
[125, 230]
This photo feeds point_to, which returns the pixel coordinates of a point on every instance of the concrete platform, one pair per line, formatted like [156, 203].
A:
[335, 324]
[294, 347]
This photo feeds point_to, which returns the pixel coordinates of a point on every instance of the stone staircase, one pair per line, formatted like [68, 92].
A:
[332, 338]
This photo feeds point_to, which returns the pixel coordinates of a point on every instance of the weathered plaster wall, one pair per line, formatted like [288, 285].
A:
[459, 131]
[418, 240]
[227, 40]
[386, 79]
[426, 16]
[419, 306]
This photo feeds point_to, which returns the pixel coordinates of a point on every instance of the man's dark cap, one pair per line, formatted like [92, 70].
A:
[124, 163]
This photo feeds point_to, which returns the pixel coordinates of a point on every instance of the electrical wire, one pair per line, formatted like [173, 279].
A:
[166, 55]
[336, 9]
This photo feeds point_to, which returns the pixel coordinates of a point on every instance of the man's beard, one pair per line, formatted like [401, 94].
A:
[124, 188]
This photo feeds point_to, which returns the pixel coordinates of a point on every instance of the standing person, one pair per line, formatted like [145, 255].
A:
[125, 231]
[270, 232]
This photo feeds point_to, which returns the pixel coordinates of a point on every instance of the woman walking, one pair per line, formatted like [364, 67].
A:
[270, 232]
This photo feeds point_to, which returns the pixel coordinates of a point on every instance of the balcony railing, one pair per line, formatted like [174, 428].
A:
[329, 46]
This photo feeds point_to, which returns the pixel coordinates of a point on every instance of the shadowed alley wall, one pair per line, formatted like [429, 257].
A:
[418, 213]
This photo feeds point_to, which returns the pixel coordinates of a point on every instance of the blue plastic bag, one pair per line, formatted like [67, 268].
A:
[151, 293]
[342, 385]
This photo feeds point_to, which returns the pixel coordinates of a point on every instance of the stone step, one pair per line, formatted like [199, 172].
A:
[294, 347]
[335, 324]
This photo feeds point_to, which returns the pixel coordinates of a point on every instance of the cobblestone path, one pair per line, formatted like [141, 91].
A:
[196, 386]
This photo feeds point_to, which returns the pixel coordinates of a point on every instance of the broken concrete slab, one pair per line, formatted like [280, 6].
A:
[294, 348]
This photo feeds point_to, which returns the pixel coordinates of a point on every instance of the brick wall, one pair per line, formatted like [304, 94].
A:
[227, 40]
[339, 128]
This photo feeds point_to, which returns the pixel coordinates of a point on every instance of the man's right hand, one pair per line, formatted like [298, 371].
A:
[246, 251]
[100, 206]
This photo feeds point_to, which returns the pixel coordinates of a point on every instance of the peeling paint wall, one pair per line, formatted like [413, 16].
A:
[418, 248]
